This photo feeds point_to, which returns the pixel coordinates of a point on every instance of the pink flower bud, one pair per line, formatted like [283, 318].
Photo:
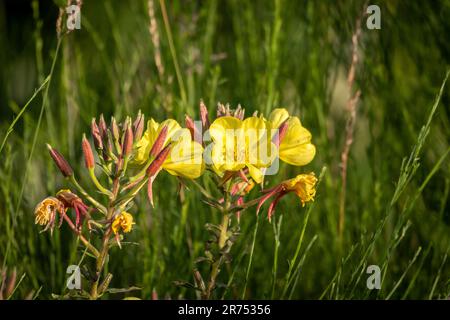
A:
[102, 127]
[138, 126]
[60, 162]
[87, 152]
[115, 129]
[95, 131]
[127, 145]
[189, 123]
[204, 115]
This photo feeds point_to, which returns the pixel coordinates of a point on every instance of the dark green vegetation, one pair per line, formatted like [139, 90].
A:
[263, 54]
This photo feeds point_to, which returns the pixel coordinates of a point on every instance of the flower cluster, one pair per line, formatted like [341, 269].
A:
[239, 152]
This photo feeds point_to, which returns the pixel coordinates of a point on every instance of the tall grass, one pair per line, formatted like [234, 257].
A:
[261, 55]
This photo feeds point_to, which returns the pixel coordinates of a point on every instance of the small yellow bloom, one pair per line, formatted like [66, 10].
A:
[295, 147]
[124, 222]
[186, 156]
[304, 185]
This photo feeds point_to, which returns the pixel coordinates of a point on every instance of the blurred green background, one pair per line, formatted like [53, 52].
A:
[262, 55]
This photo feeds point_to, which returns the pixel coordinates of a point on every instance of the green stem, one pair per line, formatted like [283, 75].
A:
[221, 242]
[100, 262]
[82, 238]
[97, 183]
[224, 230]
[100, 207]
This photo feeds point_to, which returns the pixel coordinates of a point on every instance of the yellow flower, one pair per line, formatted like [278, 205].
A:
[304, 185]
[295, 147]
[186, 156]
[124, 222]
[238, 144]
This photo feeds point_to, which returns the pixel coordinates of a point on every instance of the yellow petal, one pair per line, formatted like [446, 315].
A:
[186, 157]
[296, 148]
[172, 129]
[298, 155]
[145, 144]
[256, 174]
[278, 116]
[223, 161]
[153, 130]
[219, 127]
[258, 141]
[228, 150]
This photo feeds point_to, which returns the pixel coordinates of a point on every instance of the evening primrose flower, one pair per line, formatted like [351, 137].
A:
[295, 145]
[239, 144]
[185, 158]
[123, 222]
[303, 185]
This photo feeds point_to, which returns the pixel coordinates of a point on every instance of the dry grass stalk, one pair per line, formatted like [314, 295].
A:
[352, 105]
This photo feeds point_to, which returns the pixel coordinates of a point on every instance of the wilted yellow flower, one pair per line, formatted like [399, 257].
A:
[124, 222]
[304, 185]
[295, 147]
[186, 156]
[238, 144]
[46, 210]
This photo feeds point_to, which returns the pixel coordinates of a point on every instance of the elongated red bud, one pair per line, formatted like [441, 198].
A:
[189, 123]
[204, 115]
[194, 129]
[60, 162]
[102, 127]
[127, 145]
[138, 126]
[96, 136]
[87, 152]
[156, 164]
[159, 142]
